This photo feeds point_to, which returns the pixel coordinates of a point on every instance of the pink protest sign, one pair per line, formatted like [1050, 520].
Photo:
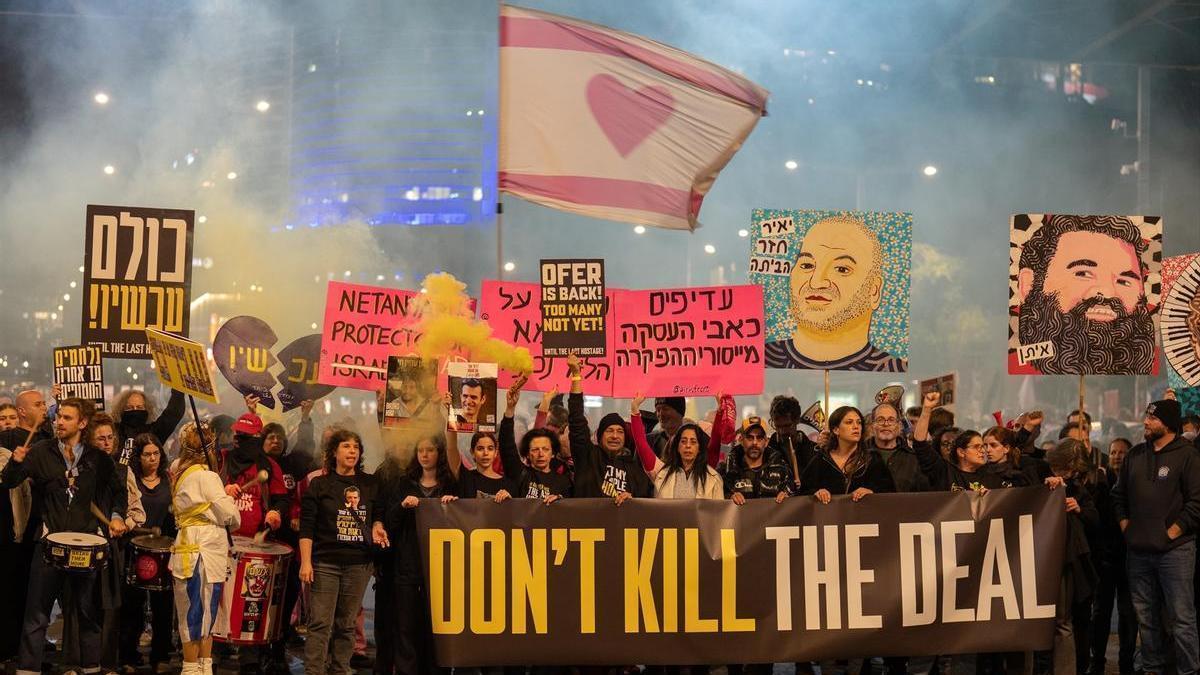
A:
[364, 325]
[513, 310]
[689, 342]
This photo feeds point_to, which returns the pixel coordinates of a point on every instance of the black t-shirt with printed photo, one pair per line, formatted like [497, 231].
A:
[337, 513]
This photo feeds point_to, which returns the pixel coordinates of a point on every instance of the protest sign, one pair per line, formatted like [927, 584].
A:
[472, 389]
[411, 393]
[944, 385]
[364, 325]
[243, 352]
[689, 342]
[137, 275]
[79, 373]
[181, 364]
[511, 309]
[1060, 321]
[661, 581]
[573, 307]
[835, 287]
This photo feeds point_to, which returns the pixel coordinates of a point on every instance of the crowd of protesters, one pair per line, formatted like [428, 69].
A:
[1133, 508]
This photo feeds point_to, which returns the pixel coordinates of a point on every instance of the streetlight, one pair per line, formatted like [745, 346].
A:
[640, 229]
[101, 98]
[510, 266]
[791, 165]
[930, 170]
[710, 249]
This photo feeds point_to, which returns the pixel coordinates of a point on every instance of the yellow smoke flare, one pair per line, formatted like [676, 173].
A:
[448, 324]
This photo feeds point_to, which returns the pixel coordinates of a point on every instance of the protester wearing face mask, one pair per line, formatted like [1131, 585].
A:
[134, 414]
[1191, 426]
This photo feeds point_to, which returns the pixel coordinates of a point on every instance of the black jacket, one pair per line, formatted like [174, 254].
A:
[96, 481]
[531, 484]
[1157, 490]
[802, 451]
[903, 464]
[161, 428]
[823, 472]
[597, 473]
[768, 480]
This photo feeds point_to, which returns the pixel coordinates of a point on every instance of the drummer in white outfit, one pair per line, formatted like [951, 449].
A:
[204, 515]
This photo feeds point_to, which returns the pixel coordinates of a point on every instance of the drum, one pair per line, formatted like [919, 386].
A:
[147, 563]
[253, 597]
[75, 551]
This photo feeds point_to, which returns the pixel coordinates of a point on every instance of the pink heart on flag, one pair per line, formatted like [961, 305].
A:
[628, 116]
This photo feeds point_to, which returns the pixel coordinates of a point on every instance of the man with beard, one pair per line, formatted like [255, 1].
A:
[750, 472]
[836, 286]
[1081, 285]
[1157, 504]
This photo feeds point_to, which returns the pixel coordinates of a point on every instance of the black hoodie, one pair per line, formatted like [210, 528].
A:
[598, 473]
[1157, 490]
[134, 422]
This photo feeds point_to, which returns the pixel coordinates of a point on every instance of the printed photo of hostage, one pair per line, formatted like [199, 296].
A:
[411, 392]
[472, 389]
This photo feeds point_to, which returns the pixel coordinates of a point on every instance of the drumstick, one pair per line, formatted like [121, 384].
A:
[261, 477]
[104, 520]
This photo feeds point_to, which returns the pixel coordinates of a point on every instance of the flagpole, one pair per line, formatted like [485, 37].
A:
[499, 204]
[499, 233]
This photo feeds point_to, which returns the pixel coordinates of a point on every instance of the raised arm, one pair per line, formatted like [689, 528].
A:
[723, 422]
[453, 458]
[165, 425]
[543, 409]
[650, 462]
[509, 456]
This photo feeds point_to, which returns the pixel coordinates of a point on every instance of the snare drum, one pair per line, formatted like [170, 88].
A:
[147, 564]
[253, 598]
[75, 551]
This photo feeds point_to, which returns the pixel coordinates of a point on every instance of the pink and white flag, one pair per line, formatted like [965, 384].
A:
[613, 125]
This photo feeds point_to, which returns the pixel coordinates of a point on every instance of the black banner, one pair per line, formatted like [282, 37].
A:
[79, 372]
[585, 582]
[573, 307]
[137, 274]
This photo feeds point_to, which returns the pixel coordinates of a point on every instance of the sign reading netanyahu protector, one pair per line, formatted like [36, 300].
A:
[573, 307]
[585, 582]
[137, 275]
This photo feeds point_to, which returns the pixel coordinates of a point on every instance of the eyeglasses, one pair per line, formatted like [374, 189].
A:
[886, 421]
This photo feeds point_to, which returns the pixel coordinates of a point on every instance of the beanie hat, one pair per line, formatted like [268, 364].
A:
[676, 403]
[607, 421]
[249, 424]
[1168, 412]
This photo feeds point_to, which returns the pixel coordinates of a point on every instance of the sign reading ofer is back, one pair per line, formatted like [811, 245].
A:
[137, 275]
[585, 582]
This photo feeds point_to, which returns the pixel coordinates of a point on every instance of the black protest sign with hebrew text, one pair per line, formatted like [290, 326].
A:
[137, 275]
[573, 307]
[79, 373]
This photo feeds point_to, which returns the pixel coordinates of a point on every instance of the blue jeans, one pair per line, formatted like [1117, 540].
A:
[1165, 580]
